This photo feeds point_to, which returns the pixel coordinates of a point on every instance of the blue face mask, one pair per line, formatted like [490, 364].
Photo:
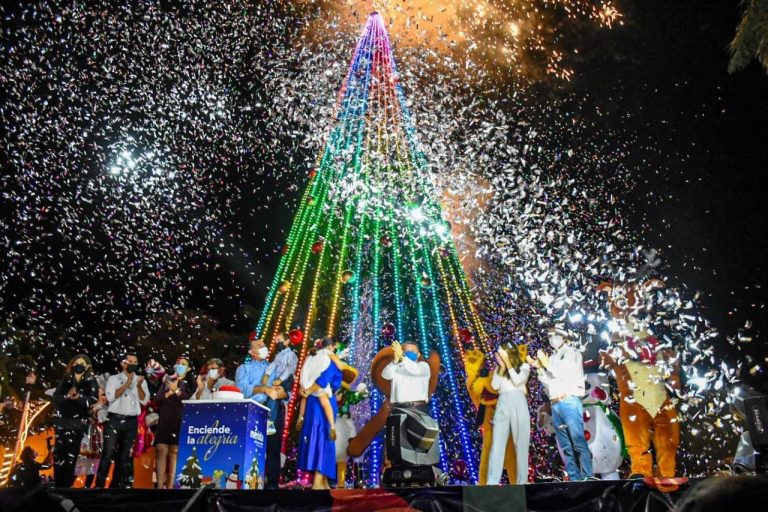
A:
[413, 356]
[180, 370]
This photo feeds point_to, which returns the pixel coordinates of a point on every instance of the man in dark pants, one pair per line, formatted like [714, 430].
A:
[275, 441]
[126, 394]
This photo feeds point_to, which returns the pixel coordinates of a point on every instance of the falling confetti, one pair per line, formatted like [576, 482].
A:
[154, 155]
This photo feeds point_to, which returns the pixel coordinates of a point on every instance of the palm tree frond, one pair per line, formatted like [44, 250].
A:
[751, 38]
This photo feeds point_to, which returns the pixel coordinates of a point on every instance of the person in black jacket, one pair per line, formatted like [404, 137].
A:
[175, 388]
[74, 396]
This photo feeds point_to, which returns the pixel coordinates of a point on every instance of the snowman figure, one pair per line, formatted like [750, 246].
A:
[602, 427]
[233, 480]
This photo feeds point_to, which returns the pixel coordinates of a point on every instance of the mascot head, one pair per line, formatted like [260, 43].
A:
[628, 299]
[478, 379]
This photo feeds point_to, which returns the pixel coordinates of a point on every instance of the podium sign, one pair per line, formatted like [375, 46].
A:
[222, 442]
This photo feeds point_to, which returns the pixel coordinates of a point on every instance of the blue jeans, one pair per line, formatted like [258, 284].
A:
[274, 408]
[568, 420]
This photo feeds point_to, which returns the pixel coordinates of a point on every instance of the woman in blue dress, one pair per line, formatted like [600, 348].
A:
[320, 374]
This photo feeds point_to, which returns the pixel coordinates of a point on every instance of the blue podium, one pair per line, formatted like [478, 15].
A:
[222, 442]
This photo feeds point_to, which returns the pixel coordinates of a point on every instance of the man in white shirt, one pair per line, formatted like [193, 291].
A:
[126, 393]
[412, 436]
[409, 376]
[562, 375]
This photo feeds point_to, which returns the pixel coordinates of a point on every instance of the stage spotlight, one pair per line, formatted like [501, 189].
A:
[412, 448]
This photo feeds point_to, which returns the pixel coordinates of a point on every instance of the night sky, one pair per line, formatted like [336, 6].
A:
[696, 145]
[711, 130]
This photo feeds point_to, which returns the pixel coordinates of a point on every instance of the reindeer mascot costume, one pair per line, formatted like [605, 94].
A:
[645, 374]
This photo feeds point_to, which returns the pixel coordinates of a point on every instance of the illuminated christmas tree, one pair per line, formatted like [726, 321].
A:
[370, 257]
[190, 476]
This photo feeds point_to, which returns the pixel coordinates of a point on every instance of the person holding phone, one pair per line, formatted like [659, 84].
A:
[73, 398]
[126, 393]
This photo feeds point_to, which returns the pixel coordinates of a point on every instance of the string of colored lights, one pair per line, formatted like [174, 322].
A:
[374, 452]
[443, 349]
[417, 281]
[370, 221]
[347, 113]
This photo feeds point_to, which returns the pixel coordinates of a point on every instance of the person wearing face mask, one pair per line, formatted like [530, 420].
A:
[410, 377]
[562, 375]
[249, 374]
[126, 393]
[73, 398]
[280, 370]
[169, 396]
[211, 380]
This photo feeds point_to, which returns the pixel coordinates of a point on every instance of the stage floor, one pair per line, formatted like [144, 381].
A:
[617, 495]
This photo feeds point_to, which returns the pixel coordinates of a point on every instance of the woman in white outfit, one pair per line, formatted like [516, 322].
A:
[510, 379]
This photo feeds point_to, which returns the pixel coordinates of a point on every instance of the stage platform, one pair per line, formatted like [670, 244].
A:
[618, 495]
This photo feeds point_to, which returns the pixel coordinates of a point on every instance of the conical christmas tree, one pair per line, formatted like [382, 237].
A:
[189, 478]
[369, 257]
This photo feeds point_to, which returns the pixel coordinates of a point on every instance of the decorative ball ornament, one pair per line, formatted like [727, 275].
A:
[296, 336]
[347, 276]
[465, 335]
[600, 394]
[425, 282]
[317, 247]
[284, 250]
[459, 470]
[586, 416]
[388, 330]
[312, 173]
[587, 435]
[285, 287]
[310, 200]
[385, 241]
[252, 336]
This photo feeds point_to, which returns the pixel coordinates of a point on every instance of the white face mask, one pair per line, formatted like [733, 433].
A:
[556, 341]
[263, 353]
[213, 373]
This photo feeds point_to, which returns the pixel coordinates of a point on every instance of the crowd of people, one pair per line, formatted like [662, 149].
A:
[102, 421]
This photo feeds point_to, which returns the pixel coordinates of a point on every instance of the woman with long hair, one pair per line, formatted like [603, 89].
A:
[175, 388]
[73, 398]
[510, 379]
[320, 377]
